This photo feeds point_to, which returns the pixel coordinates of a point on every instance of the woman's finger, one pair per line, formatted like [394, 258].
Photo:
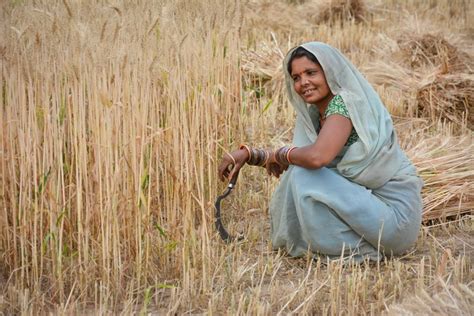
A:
[235, 170]
[223, 170]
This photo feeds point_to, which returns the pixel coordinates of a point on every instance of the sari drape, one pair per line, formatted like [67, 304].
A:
[367, 202]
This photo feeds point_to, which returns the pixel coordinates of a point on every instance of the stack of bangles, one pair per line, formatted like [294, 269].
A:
[259, 157]
[282, 155]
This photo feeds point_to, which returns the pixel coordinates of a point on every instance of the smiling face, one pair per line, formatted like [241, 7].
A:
[310, 82]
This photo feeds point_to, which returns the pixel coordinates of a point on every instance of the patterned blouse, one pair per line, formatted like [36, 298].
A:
[337, 106]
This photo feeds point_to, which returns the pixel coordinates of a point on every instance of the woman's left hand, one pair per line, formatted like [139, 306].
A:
[273, 167]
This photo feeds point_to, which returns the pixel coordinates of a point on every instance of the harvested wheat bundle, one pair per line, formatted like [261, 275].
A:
[448, 97]
[393, 79]
[342, 10]
[265, 65]
[445, 164]
[434, 50]
[278, 16]
[432, 72]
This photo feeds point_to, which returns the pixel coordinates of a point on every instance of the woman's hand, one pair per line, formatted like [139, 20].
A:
[231, 164]
[273, 167]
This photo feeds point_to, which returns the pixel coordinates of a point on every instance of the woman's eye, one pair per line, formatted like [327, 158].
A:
[295, 79]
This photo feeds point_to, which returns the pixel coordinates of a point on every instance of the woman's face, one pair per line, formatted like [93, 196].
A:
[310, 82]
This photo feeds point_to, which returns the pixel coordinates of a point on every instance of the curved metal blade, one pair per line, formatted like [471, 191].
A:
[219, 226]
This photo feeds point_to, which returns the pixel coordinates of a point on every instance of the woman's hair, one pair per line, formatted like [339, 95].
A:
[298, 53]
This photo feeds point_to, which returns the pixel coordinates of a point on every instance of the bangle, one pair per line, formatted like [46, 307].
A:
[243, 146]
[267, 157]
[282, 155]
[257, 157]
[288, 154]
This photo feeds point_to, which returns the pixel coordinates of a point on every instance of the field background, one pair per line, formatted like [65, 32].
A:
[114, 116]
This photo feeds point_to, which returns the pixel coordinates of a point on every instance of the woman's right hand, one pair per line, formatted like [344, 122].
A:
[274, 168]
[231, 164]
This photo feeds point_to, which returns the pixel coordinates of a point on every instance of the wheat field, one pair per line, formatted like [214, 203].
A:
[115, 114]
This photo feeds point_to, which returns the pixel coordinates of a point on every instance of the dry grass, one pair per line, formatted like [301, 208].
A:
[342, 10]
[113, 118]
[431, 77]
[445, 163]
[447, 92]
[449, 98]
[434, 50]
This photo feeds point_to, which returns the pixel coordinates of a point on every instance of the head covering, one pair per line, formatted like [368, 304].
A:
[376, 156]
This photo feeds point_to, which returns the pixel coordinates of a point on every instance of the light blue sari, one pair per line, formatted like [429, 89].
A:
[367, 202]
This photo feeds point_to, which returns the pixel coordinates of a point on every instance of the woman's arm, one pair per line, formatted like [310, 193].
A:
[331, 139]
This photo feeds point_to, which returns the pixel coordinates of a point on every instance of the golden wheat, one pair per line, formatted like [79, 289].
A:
[113, 117]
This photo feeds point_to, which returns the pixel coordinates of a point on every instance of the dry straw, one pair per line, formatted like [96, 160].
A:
[113, 118]
[445, 164]
[448, 97]
[342, 10]
[436, 77]
[447, 93]
[434, 50]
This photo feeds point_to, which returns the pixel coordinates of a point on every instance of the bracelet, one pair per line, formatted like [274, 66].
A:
[282, 155]
[267, 157]
[288, 154]
[243, 146]
[257, 157]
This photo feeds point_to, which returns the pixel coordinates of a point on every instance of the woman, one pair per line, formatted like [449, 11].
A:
[347, 188]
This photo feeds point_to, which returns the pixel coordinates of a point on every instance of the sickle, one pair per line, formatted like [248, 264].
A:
[219, 226]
